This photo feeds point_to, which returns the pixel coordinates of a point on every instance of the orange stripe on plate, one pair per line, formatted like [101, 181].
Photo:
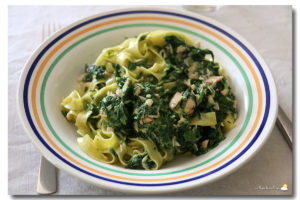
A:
[72, 37]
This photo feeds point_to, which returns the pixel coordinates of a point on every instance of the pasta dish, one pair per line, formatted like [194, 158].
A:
[149, 99]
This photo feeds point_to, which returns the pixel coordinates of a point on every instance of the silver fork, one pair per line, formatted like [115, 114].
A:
[47, 172]
[285, 126]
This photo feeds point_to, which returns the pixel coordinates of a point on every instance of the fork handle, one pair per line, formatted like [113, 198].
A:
[47, 177]
[285, 126]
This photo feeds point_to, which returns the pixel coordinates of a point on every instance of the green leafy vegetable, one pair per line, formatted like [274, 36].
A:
[93, 70]
[116, 112]
[136, 162]
[142, 109]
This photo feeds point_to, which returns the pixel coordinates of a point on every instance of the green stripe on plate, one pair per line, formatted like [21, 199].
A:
[248, 115]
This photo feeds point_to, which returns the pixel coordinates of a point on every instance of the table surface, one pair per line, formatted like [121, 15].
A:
[267, 28]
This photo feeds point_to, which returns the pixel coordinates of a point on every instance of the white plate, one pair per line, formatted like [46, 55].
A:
[52, 71]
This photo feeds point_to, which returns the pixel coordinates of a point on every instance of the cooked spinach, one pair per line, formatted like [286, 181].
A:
[164, 125]
[143, 108]
[136, 162]
[93, 70]
[64, 113]
[132, 66]
[117, 115]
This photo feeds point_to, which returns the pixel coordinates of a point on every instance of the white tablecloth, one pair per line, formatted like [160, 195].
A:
[267, 28]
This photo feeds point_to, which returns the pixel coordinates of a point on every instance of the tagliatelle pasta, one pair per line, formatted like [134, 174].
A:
[150, 98]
